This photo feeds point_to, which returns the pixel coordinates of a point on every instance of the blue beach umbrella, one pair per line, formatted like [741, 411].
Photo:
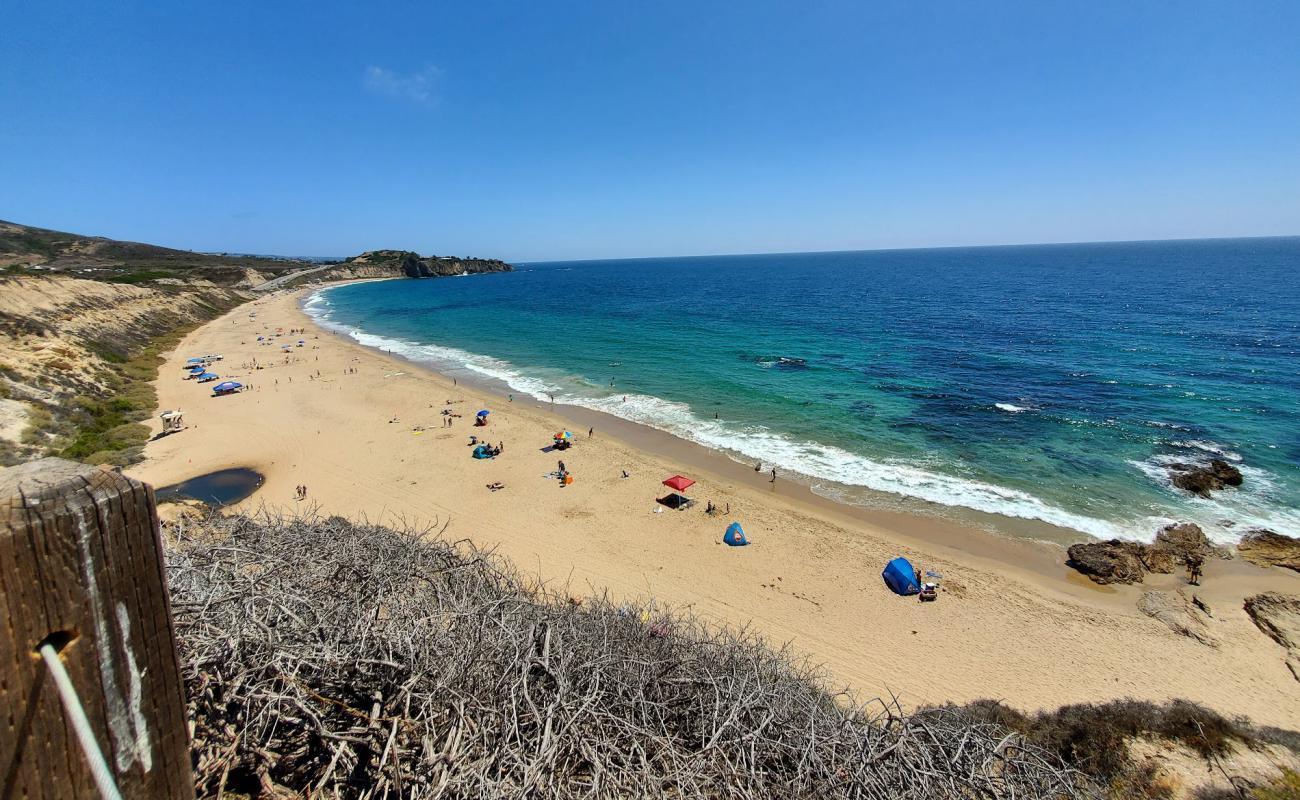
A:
[484, 413]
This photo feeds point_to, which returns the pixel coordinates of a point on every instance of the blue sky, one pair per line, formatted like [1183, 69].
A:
[535, 131]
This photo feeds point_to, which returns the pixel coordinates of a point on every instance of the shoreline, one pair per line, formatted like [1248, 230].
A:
[811, 577]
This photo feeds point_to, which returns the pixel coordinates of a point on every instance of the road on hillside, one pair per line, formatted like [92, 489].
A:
[276, 283]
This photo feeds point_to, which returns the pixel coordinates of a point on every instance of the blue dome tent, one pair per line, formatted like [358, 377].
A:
[735, 535]
[900, 576]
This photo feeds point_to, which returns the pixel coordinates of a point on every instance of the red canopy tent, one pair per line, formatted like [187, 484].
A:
[679, 482]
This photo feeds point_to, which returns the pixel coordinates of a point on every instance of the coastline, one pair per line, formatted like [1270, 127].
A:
[1014, 623]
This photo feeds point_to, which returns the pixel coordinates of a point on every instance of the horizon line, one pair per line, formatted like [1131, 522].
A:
[924, 247]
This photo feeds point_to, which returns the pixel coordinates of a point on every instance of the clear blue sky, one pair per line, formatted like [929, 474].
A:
[540, 130]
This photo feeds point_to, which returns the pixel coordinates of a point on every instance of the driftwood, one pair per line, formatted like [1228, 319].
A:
[330, 659]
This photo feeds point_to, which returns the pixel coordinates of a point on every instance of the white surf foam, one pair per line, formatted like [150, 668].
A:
[1010, 408]
[1255, 505]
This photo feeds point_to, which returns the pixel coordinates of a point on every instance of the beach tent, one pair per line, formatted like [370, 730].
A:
[482, 452]
[676, 501]
[900, 576]
[193, 361]
[208, 376]
[226, 387]
[679, 482]
[735, 536]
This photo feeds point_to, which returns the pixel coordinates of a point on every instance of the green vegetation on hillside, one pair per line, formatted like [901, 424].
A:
[106, 426]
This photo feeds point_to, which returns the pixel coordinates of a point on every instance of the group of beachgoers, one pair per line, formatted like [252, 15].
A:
[488, 447]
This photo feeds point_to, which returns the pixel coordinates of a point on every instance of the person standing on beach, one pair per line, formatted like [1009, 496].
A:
[590, 431]
[773, 475]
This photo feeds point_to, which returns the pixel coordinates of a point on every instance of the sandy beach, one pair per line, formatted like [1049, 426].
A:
[364, 432]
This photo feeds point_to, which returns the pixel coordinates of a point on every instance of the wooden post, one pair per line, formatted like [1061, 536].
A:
[81, 567]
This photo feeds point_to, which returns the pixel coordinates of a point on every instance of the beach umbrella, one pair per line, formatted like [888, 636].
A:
[563, 435]
[679, 482]
[484, 413]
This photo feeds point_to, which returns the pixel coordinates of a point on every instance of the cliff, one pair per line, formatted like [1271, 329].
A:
[386, 263]
[77, 358]
[83, 319]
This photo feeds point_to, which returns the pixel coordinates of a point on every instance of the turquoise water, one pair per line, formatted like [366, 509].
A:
[1043, 382]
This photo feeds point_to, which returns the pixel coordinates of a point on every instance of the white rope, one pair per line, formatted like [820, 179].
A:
[77, 714]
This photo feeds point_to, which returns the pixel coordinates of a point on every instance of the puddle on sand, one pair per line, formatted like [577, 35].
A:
[220, 488]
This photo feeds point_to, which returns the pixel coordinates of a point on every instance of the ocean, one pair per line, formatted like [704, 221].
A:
[1046, 382]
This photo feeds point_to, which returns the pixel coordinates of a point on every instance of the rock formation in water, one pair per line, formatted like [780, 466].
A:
[1201, 479]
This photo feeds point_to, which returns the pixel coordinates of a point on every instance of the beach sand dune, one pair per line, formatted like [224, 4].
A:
[364, 432]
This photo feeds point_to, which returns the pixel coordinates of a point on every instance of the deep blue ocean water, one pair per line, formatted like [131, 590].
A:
[1047, 382]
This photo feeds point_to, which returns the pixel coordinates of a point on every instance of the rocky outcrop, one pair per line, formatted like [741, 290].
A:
[377, 263]
[1114, 561]
[1201, 479]
[1278, 616]
[1180, 613]
[1269, 549]
[1185, 541]
[1118, 561]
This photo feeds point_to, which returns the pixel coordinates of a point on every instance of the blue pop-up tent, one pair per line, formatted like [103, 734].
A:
[208, 376]
[735, 535]
[226, 387]
[900, 576]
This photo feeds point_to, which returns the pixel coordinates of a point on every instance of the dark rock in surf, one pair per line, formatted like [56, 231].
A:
[1202, 479]
[1269, 549]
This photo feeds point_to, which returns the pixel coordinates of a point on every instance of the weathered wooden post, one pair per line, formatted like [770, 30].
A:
[81, 570]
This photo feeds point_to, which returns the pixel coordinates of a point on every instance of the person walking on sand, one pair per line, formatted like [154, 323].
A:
[590, 431]
[1194, 570]
[773, 475]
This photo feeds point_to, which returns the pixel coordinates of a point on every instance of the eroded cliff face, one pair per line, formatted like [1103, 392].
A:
[65, 344]
[395, 263]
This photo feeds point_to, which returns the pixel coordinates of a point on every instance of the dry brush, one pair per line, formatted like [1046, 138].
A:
[332, 659]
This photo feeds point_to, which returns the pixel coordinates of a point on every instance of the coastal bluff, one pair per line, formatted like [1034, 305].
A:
[404, 263]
